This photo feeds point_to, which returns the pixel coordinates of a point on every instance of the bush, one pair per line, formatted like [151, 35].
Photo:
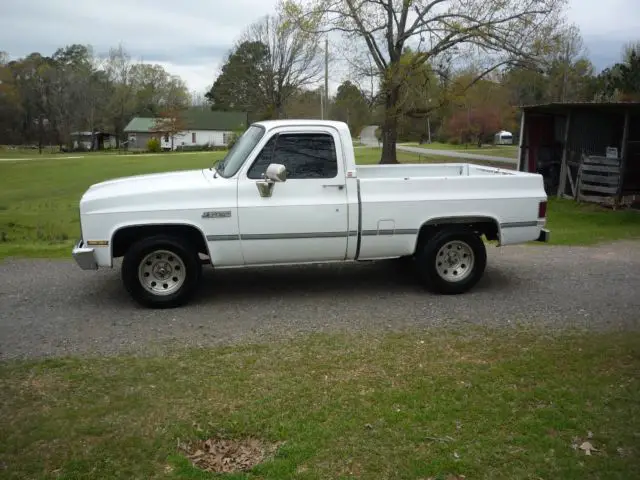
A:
[234, 138]
[153, 145]
[200, 148]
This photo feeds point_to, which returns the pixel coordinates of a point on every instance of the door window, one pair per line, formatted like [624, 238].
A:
[305, 156]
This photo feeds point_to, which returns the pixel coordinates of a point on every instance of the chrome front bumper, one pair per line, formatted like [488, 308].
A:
[84, 256]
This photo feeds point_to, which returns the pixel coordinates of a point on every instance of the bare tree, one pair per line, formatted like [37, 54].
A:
[294, 57]
[438, 32]
[198, 99]
[118, 68]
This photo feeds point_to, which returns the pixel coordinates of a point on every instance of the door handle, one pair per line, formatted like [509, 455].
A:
[339, 187]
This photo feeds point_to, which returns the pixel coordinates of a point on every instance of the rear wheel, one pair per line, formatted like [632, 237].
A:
[161, 271]
[452, 261]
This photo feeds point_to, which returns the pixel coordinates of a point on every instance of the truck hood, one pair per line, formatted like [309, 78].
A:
[160, 190]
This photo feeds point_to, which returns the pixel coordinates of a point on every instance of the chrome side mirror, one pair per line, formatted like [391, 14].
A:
[276, 173]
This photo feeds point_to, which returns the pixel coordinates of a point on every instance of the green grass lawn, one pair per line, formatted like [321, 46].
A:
[39, 199]
[588, 224]
[484, 404]
[507, 151]
[49, 153]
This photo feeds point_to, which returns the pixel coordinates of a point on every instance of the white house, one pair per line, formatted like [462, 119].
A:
[204, 127]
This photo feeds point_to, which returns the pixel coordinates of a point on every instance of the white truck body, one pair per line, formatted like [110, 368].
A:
[331, 210]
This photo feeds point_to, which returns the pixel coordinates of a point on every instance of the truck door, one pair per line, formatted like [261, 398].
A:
[304, 218]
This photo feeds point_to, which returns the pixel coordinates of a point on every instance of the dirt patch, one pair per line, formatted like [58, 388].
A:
[219, 455]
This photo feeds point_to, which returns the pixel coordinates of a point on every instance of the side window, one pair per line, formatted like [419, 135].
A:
[263, 160]
[308, 155]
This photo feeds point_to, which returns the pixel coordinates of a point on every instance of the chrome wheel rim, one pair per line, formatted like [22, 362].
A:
[162, 272]
[454, 261]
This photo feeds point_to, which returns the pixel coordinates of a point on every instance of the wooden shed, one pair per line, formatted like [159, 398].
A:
[585, 151]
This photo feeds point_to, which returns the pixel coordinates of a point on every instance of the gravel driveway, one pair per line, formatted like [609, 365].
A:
[52, 308]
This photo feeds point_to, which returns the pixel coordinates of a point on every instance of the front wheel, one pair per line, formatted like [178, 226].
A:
[161, 271]
[452, 261]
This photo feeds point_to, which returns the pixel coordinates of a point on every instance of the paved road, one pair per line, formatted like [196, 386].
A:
[51, 308]
[367, 137]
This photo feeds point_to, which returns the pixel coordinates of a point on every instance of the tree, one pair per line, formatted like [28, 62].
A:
[350, 106]
[71, 93]
[155, 90]
[502, 31]
[293, 60]
[45, 99]
[273, 61]
[629, 82]
[478, 112]
[170, 122]
[121, 106]
[242, 82]
[622, 80]
[568, 69]
[475, 124]
[304, 104]
[31, 79]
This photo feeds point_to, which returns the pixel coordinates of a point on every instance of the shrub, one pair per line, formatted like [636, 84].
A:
[153, 145]
[208, 147]
[234, 138]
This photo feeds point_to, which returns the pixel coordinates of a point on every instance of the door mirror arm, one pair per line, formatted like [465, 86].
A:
[276, 173]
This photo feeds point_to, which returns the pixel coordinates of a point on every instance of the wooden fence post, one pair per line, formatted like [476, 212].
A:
[563, 166]
[623, 156]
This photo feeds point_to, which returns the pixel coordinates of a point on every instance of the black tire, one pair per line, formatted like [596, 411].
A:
[427, 260]
[184, 258]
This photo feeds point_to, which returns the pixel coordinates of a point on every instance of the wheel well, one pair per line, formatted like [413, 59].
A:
[127, 236]
[481, 225]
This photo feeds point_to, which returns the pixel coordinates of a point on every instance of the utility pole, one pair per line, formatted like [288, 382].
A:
[326, 76]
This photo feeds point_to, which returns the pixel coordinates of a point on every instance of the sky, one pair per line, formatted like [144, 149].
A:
[190, 38]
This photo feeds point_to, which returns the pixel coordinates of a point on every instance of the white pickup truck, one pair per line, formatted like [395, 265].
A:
[289, 192]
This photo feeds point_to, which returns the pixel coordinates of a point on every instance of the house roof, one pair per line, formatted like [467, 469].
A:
[140, 124]
[196, 119]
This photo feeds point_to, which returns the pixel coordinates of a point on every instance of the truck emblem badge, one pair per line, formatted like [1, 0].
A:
[217, 214]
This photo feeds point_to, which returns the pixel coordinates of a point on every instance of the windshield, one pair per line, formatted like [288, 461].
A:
[239, 152]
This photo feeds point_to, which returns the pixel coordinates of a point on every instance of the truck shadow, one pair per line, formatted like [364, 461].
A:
[345, 281]
[339, 283]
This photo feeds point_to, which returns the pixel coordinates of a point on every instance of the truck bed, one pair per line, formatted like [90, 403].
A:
[396, 200]
[431, 170]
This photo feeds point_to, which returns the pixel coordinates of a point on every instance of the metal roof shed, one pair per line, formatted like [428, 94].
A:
[586, 151]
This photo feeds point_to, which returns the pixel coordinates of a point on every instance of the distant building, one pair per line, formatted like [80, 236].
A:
[204, 127]
[503, 138]
[93, 140]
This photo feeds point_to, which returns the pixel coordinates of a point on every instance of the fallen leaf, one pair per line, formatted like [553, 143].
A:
[228, 456]
[588, 448]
